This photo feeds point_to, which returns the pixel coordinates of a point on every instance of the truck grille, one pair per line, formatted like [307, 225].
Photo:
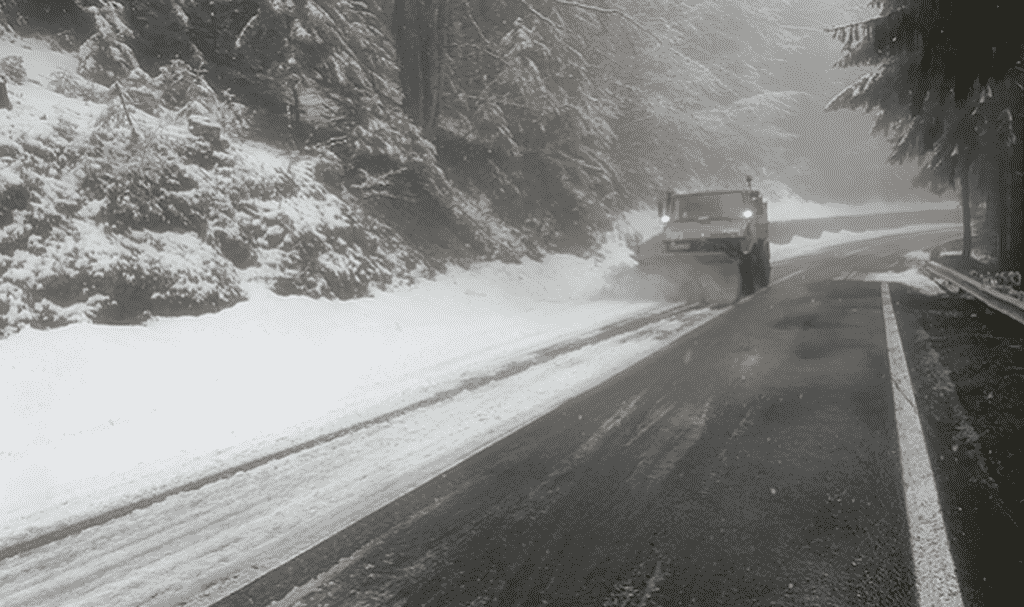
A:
[696, 245]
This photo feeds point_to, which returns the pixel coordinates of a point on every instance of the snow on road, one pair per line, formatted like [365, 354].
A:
[98, 416]
[200, 545]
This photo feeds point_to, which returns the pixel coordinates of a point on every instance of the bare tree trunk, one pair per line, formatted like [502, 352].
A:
[295, 118]
[1002, 192]
[436, 39]
[994, 206]
[5, 101]
[985, 189]
[965, 207]
[420, 28]
[406, 30]
[1013, 252]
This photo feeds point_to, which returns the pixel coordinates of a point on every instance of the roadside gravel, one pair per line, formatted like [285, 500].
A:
[966, 363]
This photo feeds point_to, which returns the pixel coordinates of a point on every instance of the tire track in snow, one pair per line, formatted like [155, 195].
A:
[592, 443]
[540, 356]
[515, 508]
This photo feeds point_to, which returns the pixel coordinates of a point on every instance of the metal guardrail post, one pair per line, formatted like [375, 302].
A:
[1000, 302]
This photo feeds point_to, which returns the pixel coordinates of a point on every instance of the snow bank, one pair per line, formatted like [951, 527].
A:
[95, 412]
[912, 278]
[804, 246]
[198, 546]
[41, 61]
[787, 205]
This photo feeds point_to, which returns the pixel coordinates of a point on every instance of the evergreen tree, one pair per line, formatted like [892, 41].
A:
[421, 32]
[937, 67]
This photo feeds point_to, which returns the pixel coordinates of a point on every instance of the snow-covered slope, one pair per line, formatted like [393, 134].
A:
[114, 204]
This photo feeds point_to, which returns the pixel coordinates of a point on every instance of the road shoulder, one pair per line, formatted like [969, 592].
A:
[956, 361]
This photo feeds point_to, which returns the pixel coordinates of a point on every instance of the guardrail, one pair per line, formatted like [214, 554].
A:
[1009, 306]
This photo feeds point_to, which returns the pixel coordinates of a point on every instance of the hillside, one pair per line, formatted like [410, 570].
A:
[161, 155]
[154, 196]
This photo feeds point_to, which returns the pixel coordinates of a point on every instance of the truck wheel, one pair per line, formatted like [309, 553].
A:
[764, 264]
[747, 268]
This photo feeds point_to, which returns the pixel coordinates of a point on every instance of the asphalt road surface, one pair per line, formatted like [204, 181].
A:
[756, 461]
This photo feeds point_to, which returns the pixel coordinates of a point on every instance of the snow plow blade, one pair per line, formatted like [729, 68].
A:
[707, 279]
[713, 249]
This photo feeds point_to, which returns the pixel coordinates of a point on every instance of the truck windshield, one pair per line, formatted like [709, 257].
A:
[697, 207]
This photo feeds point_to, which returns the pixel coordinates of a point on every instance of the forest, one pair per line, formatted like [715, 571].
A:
[946, 84]
[417, 133]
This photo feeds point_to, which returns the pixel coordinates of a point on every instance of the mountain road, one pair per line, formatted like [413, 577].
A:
[761, 459]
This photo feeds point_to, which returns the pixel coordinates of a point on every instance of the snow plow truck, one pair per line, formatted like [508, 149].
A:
[714, 245]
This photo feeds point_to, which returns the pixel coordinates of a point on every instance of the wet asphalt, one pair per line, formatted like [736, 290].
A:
[753, 462]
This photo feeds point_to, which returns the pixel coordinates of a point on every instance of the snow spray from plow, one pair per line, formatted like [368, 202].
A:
[660, 276]
[647, 274]
[710, 281]
[673, 280]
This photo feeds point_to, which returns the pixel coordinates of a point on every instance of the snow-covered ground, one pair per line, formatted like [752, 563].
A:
[911, 276]
[98, 416]
[787, 205]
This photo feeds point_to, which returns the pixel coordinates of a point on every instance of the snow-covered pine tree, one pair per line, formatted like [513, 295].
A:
[935, 69]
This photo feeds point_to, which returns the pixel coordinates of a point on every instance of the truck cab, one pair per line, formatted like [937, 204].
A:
[730, 222]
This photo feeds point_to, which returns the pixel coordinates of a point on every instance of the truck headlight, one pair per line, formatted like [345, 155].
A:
[747, 214]
[665, 219]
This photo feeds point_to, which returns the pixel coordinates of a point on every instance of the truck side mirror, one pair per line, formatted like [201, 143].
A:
[762, 207]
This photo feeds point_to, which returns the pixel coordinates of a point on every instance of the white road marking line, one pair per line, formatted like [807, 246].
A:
[934, 572]
[855, 251]
[788, 276]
